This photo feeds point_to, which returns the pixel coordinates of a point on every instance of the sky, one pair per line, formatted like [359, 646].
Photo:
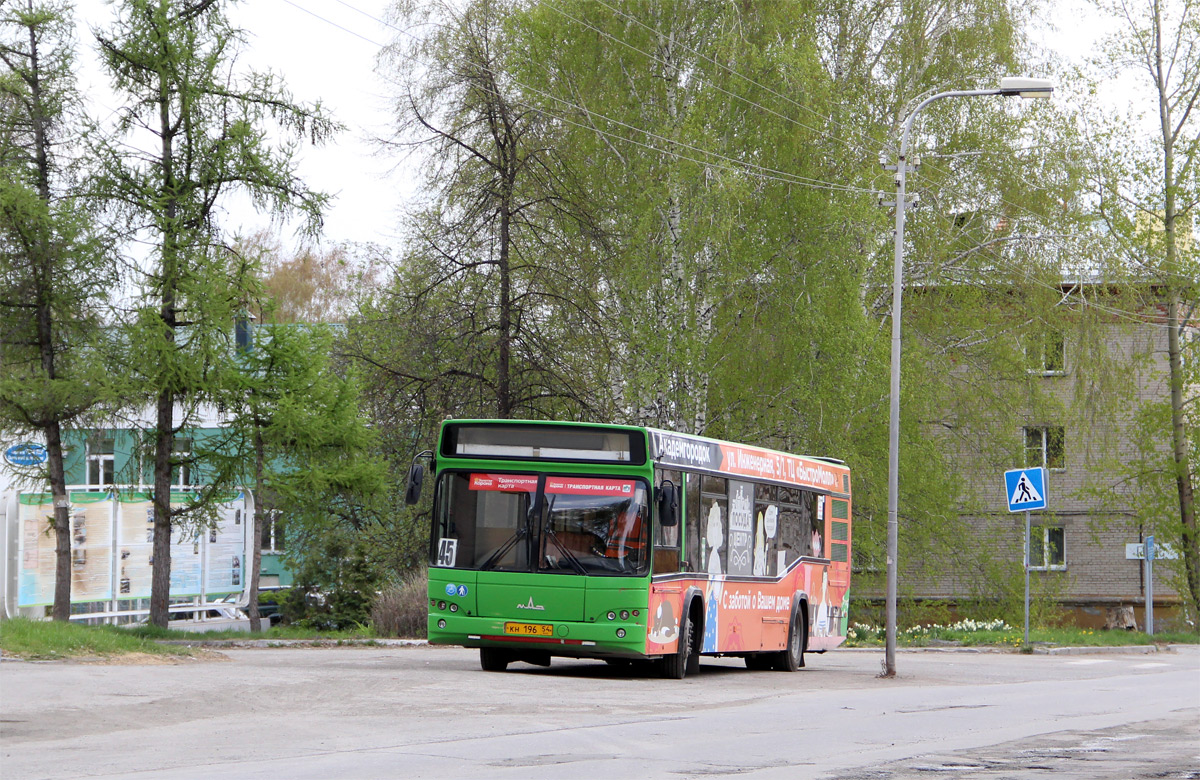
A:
[326, 50]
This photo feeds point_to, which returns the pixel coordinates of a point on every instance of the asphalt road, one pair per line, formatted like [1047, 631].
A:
[420, 712]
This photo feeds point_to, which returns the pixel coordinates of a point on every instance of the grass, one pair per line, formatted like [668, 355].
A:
[969, 633]
[48, 640]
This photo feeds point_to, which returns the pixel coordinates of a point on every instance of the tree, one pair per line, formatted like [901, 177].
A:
[1147, 187]
[483, 316]
[211, 131]
[311, 447]
[54, 266]
[315, 284]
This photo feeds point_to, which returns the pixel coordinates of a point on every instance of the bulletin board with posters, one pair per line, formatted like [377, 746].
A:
[112, 548]
[91, 547]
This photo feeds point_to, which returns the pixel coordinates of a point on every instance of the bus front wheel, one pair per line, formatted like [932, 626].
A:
[687, 657]
[493, 659]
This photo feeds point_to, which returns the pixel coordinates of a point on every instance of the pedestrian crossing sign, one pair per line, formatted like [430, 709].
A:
[1026, 489]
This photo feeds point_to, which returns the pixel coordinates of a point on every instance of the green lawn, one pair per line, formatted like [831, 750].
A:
[45, 639]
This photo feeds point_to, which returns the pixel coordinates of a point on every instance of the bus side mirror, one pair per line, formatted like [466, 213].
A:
[416, 478]
[668, 505]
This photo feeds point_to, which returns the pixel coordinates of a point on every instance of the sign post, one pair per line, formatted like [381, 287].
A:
[1150, 585]
[1026, 491]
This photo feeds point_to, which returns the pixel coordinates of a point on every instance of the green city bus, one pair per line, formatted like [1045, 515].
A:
[627, 544]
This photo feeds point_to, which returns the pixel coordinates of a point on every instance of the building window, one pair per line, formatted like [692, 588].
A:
[1046, 354]
[181, 455]
[100, 460]
[1046, 446]
[272, 532]
[1047, 548]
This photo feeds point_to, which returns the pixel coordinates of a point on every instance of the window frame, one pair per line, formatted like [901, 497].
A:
[1043, 446]
[1045, 344]
[100, 453]
[1040, 535]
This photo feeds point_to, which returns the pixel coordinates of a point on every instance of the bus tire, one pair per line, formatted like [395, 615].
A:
[493, 659]
[687, 656]
[792, 657]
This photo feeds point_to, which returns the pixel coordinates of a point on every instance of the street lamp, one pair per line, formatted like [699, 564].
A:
[1019, 86]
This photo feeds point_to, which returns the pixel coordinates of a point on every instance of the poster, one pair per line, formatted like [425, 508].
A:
[112, 549]
[135, 545]
[226, 549]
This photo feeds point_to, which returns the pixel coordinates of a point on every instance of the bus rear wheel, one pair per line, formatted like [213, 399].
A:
[494, 659]
[792, 657]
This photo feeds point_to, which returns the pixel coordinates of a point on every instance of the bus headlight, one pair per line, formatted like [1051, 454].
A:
[620, 633]
[453, 607]
[612, 615]
[442, 623]
[624, 614]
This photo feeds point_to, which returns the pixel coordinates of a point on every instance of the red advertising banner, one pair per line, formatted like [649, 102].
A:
[509, 483]
[584, 486]
[573, 486]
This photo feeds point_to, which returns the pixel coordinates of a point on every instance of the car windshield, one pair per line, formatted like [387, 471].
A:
[562, 524]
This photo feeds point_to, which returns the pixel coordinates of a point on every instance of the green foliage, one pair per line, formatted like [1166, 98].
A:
[336, 582]
[706, 174]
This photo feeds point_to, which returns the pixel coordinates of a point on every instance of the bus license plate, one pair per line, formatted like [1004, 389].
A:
[529, 629]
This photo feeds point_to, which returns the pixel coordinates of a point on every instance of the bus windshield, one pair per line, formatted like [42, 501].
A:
[560, 524]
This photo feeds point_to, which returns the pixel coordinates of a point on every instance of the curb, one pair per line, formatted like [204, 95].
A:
[260, 643]
[1126, 649]
[1088, 650]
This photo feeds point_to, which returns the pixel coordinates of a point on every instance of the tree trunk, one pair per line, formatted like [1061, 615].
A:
[51, 429]
[256, 532]
[62, 524]
[160, 584]
[1172, 273]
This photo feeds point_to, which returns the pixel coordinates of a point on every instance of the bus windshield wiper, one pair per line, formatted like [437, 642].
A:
[503, 549]
[521, 533]
[552, 536]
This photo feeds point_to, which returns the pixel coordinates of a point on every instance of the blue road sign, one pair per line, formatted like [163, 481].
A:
[1026, 489]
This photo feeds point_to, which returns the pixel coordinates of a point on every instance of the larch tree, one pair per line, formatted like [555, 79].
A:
[192, 130]
[55, 273]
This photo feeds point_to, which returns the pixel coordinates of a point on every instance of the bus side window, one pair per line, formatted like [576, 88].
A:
[692, 533]
[793, 536]
[666, 538]
[766, 531]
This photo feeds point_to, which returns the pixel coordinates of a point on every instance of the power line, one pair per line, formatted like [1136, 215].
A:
[727, 163]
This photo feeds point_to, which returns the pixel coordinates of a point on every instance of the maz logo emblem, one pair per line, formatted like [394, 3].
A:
[531, 605]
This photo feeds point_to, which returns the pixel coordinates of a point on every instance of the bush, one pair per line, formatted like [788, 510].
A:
[403, 607]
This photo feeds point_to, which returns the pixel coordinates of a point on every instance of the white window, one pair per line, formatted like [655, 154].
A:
[1046, 446]
[272, 532]
[99, 458]
[1047, 548]
[1046, 354]
[181, 457]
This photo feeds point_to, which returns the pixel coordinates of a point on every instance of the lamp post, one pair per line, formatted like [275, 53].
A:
[1023, 87]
